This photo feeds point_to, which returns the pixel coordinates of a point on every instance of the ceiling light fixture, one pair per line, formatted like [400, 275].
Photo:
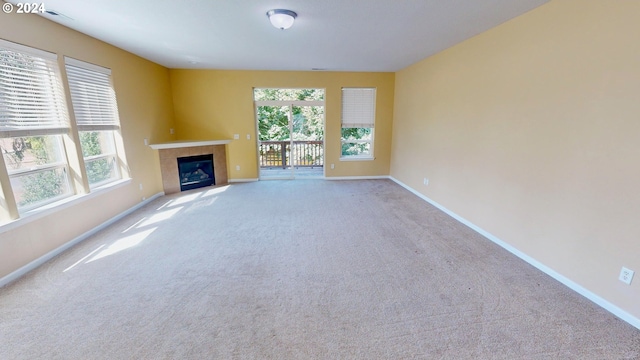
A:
[281, 19]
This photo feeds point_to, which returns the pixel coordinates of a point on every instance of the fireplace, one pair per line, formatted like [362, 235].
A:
[171, 151]
[196, 172]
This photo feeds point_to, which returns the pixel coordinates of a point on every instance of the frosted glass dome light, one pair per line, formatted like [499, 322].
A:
[281, 19]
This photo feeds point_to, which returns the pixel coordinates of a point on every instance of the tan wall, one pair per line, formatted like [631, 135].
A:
[215, 104]
[144, 101]
[531, 131]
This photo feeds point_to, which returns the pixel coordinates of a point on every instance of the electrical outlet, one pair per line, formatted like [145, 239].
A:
[140, 186]
[425, 181]
[237, 167]
[248, 136]
[236, 136]
[333, 166]
[146, 141]
[171, 131]
[626, 275]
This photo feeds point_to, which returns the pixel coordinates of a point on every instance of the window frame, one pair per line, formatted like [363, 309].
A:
[98, 79]
[358, 111]
[365, 156]
[28, 116]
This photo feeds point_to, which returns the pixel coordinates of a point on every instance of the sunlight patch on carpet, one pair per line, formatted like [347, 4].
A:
[123, 244]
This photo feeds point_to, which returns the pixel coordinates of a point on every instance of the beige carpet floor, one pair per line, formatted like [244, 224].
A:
[304, 269]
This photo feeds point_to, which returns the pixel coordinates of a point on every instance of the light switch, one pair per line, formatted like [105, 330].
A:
[248, 136]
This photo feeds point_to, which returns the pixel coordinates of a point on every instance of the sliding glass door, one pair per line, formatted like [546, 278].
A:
[290, 133]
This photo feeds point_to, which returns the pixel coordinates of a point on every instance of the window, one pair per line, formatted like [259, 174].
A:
[33, 118]
[96, 113]
[358, 118]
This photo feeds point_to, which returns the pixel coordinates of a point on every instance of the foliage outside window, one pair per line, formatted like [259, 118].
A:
[96, 113]
[32, 120]
[273, 119]
[98, 151]
[358, 119]
[356, 141]
[37, 169]
[288, 94]
[295, 142]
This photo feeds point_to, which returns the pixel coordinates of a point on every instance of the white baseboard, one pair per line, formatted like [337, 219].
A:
[374, 177]
[242, 180]
[15, 275]
[632, 320]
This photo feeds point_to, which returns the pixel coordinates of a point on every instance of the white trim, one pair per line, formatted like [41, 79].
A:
[9, 133]
[243, 180]
[289, 102]
[372, 177]
[29, 50]
[187, 143]
[88, 128]
[633, 321]
[356, 158]
[277, 178]
[15, 275]
[86, 65]
[37, 168]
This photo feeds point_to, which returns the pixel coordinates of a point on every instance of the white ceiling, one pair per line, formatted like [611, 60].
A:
[334, 35]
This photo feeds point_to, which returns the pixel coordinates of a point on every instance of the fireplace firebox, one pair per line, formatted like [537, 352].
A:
[196, 172]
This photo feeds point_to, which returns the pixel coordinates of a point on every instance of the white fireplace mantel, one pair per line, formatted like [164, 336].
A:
[187, 143]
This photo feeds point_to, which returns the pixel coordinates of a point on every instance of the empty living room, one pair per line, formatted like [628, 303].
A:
[319, 179]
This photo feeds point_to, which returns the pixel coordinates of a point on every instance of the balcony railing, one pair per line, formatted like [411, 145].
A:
[281, 154]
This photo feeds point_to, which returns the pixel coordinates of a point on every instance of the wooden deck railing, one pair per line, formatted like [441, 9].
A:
[280, 154]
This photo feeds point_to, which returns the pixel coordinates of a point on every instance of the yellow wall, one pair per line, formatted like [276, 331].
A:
[215, 104]
[531, 131]
[144, 101]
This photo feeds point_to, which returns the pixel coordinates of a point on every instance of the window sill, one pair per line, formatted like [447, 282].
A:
[40, 212]
[357, 158]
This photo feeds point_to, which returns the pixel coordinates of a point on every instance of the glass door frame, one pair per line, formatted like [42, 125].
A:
[290, 104]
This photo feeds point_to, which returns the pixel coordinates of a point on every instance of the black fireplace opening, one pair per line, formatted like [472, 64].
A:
[196, 172]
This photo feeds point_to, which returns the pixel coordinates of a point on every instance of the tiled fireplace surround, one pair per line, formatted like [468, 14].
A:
[170, 152]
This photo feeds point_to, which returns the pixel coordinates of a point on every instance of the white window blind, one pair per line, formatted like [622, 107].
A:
[31, 94]
[358, 107]
[92, 96]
